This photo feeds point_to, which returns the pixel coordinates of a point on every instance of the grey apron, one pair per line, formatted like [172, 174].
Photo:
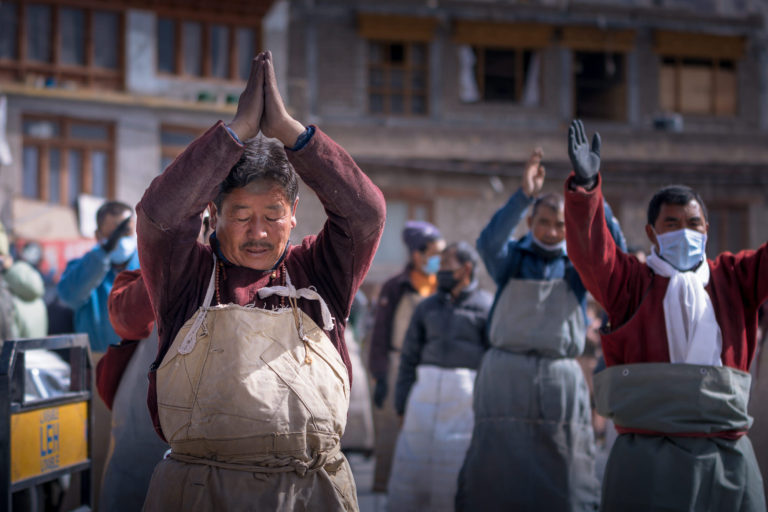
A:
[675, 472]
[532, 445]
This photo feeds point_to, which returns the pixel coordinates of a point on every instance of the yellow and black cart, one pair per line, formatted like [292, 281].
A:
[45, 412]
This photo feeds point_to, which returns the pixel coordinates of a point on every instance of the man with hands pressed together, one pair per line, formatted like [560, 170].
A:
[251, 383]
[678, 353]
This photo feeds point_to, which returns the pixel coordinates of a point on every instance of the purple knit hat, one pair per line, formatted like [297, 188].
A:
[417, 234]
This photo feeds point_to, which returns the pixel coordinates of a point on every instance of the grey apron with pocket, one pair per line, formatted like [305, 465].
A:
[678, 472]
[532, 445]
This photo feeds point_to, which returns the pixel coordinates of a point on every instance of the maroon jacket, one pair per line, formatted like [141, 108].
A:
[381, 335]
[632, 294]
[176, 268]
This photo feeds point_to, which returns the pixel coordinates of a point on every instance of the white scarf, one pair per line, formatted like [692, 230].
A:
[693, 333]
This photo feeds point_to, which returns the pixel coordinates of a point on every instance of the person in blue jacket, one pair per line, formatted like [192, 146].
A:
[532, 444]
[84, 287]
[87, 281]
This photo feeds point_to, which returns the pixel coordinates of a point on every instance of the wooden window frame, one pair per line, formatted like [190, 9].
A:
[724, 210]
[88, 75]
[714, 68]
[172, 151]
[206, 66]
[624, 86]
[408, 92]
[519, 52]
[64, 143]
[413, 199]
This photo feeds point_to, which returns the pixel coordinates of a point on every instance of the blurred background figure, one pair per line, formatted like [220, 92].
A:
[533, 445]
[442, 350]
[758, 400]
[397, 300]
[84, 287]
[6, 299]
[359, 433]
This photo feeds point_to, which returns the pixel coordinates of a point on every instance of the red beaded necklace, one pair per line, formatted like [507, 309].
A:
[278, 273]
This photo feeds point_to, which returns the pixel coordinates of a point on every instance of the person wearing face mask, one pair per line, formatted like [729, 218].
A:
[84, 287]
[398, 298]
[532, 444]
[681, 341]
[442, 350]
[87, 281]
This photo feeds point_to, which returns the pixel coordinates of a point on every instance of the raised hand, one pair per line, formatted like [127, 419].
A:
[585, 161]
[276, 121]
[120, 231]
[250, 106]
[533, 175]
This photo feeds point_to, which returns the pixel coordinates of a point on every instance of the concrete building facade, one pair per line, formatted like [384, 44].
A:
[440, 102]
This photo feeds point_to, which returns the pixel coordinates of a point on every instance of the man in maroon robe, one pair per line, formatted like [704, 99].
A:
[253, 222]
[681, 341]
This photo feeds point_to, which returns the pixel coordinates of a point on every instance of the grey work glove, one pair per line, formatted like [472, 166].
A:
[380, 392]
[585, 161]
[120, 231]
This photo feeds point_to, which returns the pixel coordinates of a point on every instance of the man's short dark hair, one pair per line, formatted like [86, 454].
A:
[263, 160]
[552, 201]
[674, 194]
[464, 252]
[112, 208]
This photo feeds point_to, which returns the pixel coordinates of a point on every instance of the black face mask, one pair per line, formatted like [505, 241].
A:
[446, 281]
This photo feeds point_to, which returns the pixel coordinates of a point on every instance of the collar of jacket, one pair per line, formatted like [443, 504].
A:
[526, 244]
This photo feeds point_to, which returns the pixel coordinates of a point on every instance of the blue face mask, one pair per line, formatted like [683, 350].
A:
[683, 249]
[432, 265]
[123, 251]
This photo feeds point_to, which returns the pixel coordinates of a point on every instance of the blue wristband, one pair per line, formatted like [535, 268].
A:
[304, 138]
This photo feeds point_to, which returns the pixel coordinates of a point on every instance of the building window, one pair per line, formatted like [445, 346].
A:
[63, 158]
[728, 228]
[174, 140]
[55, 45]
[499, 74]
[600, 85]
[400, 209]
[200, 49]
[695, 85]
[397, 78]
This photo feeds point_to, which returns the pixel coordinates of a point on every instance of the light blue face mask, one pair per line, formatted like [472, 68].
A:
[432, 265]
[683, 249]
[123, 251]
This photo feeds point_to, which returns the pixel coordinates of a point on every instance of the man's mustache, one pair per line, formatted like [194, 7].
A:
[257, 244]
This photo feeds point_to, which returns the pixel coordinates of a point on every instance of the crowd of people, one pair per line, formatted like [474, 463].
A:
[255, 347]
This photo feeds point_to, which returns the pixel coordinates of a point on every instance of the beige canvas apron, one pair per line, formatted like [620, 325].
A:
[253, 403]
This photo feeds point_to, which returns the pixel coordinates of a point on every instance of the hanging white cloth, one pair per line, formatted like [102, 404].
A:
[5, 149]
[693, 333]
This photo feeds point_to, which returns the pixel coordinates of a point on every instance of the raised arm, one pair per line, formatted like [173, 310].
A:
[169, 214]
[344, 248]
[607, 272]
[82, 276]
[493, 243]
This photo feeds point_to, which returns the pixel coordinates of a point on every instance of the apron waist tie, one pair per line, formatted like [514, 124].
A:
[300, 467]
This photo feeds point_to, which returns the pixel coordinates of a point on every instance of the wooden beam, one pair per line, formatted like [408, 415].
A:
[396, 28]
[502, 35]
[593, 39]
[697, 45]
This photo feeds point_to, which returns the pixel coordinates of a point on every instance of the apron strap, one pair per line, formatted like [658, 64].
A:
[319, 461]
[290, 291]
[191, 338]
